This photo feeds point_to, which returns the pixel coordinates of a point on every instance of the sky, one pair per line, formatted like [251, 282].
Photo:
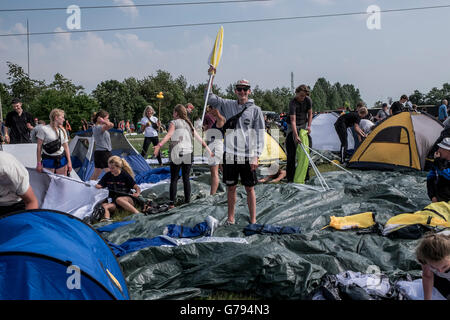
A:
[409, 50]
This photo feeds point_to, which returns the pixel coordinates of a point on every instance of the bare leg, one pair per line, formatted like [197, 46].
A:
[251, 202]
[231, 197]
[62, 170]
[127, 204]
[108, 207]
[214, 179]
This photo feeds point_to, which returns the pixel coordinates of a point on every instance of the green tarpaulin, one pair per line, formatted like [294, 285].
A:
[273, 266]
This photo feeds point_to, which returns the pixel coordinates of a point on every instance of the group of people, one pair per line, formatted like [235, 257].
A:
[240, 123]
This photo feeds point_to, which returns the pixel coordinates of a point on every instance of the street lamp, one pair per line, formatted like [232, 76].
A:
[160, 96]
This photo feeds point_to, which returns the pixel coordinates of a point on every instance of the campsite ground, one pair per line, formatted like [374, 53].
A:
[137, 142]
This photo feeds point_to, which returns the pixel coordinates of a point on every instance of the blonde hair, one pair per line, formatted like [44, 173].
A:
[362, 112]
[146, 109]
[433, 248]
[122, 164]
[56, 113]
[182, 114]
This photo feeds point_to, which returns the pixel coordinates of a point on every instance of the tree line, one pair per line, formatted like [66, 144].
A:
[126, 100]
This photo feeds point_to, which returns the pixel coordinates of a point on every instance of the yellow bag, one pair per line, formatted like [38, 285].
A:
[357, 221]
[436, 215]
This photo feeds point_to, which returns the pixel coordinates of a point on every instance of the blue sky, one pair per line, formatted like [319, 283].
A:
[410, 51]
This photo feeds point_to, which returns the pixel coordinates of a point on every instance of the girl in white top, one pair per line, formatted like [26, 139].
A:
[150, 125]
[181, 150]
[52, 145]
[433, 252]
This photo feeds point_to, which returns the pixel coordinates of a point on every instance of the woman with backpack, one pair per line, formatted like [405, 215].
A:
[180, 135]
[52, 145]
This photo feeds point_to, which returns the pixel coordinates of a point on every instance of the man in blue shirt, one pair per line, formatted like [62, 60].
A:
[443, 114]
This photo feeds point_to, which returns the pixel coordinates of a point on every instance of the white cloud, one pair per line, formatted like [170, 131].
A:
[131, 11]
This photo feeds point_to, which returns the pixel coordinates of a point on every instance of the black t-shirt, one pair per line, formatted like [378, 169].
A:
[122, 183]
[18, 125]
[348, 119]
[300, 110]
[396, 107]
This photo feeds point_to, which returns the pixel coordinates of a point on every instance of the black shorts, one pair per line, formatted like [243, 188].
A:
[101, 158]
[242, 169]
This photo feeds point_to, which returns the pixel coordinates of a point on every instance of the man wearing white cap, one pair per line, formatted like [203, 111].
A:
[438, 179]
[243, 144]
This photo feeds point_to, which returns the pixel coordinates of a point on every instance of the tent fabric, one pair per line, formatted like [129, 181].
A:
[434, 216]
[324, 136]
[272, 151]
[82, 153]
[270, 229]
[399, 141]
[26, 154]
[72, 196]
[302, 158]
[288, 266]
[153, 175]
[37, 248]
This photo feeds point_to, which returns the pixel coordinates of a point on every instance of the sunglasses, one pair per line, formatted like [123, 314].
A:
[239, 89]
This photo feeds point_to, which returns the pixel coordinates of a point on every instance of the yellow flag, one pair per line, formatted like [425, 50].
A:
[216, 52]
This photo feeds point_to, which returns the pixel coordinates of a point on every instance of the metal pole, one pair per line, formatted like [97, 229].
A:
[28, 48]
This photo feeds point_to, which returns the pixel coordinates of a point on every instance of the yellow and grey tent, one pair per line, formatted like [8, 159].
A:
[400, 141]
[272, 151]
[434, 216]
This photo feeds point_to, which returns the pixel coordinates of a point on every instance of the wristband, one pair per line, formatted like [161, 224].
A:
[160, 145]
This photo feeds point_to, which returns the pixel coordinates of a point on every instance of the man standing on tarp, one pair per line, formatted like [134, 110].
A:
[244, 143]
[20, 122]
[300, 117]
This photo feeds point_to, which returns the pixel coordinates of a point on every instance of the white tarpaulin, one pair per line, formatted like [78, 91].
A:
[65, 194]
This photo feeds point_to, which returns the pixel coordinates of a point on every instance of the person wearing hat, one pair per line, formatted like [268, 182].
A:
[243, 143]
[20, 124]
[438, 179]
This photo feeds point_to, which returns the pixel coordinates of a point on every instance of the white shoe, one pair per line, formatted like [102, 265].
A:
[212, 223]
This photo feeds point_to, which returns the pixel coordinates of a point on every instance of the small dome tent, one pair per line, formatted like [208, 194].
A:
[82, 153]
[324, 136]
[50, 255]
[400, 141]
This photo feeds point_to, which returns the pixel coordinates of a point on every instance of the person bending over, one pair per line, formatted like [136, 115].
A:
[433, 253]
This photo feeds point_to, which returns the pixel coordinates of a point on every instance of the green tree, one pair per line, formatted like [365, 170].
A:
[21, 86]
[319, 98]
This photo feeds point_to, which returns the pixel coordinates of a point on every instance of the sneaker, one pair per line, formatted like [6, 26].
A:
[213, 223]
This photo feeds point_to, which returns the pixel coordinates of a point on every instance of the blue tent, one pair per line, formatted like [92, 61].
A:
[82, 153]
[50, 255]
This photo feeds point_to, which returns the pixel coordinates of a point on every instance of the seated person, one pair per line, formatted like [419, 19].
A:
[15, 189]
[119, 181]
[438, 179]
[274, 178]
